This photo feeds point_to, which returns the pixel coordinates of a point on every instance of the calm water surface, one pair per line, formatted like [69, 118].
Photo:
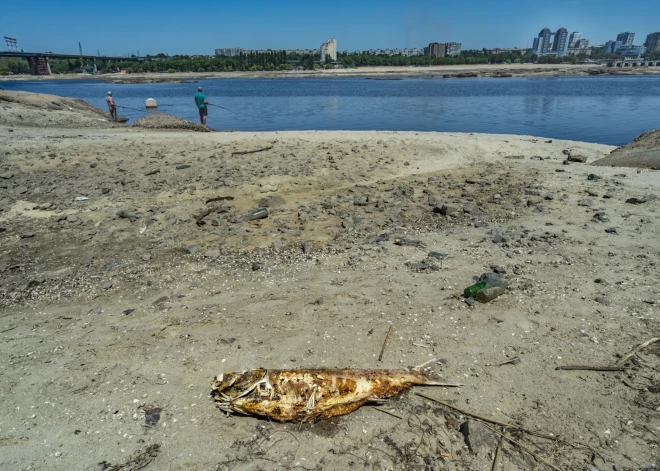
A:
[608, 110]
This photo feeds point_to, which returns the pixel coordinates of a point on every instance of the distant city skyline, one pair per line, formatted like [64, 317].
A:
[175, 28]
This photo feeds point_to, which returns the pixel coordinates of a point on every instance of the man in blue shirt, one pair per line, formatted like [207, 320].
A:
[200, 101]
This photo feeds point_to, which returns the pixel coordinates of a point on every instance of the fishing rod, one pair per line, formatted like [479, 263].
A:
[211, 104]
[129, 108]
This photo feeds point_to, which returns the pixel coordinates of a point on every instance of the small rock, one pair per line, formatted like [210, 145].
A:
[271, 201]
[212, 253]
[611, 230]
[603, 300]
[549, 197]
[469, 208]
[146, 257]
[6, 175]
[446, 209]
[256, 266]
[72, 218]
[28, 235]
[162, 299]
[644, 199]
[182, 167]
[478, 438]
[152, 171]
[107, 286]
[105, 191]
[470, 301]
[586, 202]
[577, 158]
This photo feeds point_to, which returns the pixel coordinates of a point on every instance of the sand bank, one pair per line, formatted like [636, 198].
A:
[116, 303]
[480, 70]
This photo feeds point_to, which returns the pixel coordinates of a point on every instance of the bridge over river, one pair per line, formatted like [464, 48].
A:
[628, 62]
[39, 60]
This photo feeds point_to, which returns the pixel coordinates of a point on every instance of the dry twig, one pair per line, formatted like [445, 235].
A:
[498, 455]
[492, 421]
[388, 413]
[636, 350]
[524, 448]
[591, 368]
[387, 338]
[251, 151]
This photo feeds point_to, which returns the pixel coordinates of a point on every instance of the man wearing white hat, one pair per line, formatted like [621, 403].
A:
[112, 106]
[200, 101]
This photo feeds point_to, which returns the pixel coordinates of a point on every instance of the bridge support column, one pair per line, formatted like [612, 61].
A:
[48, 67]
[94, 65]
[39, 65]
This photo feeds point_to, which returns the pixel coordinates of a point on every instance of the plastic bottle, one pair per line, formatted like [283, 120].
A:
[260, 213]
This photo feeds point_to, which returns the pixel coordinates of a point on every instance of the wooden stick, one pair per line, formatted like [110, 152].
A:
[486, 419]
[635, 351]
[219, 198]
[523, 447]
[7, 330]
[498, 455]
[387, 338]
[591, 368]
[388, 413]
[251, 151]
[513, 361]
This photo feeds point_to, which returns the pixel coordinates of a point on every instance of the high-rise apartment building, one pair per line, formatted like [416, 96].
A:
[542, 44]
[574, 38]
[551, 43]
[229, 51]
[560, 46]
[329, 50]
[582, 43]
[612, 47]
[437, 50]
[652, 42]
[626, 38]
[453, 49]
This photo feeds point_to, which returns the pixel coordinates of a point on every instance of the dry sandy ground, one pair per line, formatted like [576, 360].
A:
[643, 152]
[119, 306]
[45, 111]
[484, 70]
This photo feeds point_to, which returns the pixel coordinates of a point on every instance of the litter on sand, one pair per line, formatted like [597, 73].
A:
[314, 394]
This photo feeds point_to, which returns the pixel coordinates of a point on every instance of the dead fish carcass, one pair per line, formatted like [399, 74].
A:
[311, 395]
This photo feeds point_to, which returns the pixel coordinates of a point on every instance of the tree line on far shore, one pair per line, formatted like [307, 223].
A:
[280, 60]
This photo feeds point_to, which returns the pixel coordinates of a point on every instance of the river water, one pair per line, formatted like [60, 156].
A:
[604, 109]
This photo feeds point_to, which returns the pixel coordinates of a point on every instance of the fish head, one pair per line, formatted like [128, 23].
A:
[236, 384]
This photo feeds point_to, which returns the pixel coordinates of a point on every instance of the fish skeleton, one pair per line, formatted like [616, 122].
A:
[309, 395]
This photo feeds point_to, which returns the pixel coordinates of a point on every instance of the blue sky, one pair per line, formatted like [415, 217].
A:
[175, 27]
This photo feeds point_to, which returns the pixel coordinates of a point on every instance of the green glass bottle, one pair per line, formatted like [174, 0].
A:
[471, 291]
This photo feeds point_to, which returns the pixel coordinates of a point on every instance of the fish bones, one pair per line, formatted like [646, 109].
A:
[311, 395]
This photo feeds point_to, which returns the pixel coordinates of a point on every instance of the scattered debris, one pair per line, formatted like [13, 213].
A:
[138, 461]
[409, 242]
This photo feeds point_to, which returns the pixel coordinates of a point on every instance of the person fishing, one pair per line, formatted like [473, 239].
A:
[112, 106]
[200, 101]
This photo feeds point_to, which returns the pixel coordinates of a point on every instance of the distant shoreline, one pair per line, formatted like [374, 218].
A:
[458, 71]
